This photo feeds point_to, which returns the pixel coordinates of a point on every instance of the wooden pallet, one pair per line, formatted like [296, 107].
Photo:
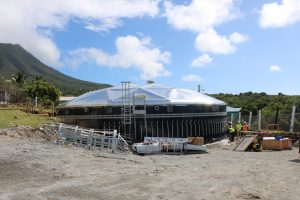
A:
[244, 144]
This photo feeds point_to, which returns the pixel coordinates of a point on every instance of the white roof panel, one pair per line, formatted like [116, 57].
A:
[155, 94]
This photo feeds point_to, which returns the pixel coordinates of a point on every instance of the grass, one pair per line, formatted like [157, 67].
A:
[10, 118]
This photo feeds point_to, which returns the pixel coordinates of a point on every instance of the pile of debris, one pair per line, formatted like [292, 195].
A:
[155, 145]
[47, 132]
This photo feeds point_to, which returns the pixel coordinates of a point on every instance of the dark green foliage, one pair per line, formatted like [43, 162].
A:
[14, 59]
[19, 78]
[44, 91]
[276, 109]
[255, 101]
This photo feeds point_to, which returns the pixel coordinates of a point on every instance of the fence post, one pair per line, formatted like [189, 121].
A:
[293, 119]
[59, 132]
[250, 119]
[90, 138]
[113, 147]
[259, 120]
[239, 120]
[75, 135]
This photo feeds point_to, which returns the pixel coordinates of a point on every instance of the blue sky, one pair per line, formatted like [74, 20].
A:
[227, 46]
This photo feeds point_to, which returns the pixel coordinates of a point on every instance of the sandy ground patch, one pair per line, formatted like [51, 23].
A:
[35, 169]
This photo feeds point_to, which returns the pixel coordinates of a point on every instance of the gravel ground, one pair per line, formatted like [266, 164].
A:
[36, 169]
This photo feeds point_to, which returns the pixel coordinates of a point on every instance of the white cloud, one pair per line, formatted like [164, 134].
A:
[104, 26]
[191, 78]
[238, 38]
[273, 15]
[131, 52]
[211, 42]
[31, 22]
[202, 60]
[275, 68]
[200, 15]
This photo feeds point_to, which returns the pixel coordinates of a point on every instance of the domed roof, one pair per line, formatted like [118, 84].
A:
[155, 94]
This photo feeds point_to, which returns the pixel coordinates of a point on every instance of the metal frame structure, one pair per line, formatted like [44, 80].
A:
[149, 110]
[91, 138]
[126, 110]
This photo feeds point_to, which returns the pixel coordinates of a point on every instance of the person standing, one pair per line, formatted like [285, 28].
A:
[245, 127]
[230, 132]
[238, 128]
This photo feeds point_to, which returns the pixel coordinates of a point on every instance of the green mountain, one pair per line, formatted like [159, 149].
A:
[14, 58]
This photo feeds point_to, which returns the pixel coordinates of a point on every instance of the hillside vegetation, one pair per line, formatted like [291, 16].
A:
[14, 58]
[250, 101]
[276, 109]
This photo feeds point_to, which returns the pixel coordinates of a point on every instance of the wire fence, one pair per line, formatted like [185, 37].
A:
[284, 121]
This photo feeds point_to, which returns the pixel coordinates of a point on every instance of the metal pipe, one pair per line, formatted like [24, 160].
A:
[177, 129]
[162, 129]
[168, 129]
[156, 128]
[152, 129]
[181, 128]
[172, 129]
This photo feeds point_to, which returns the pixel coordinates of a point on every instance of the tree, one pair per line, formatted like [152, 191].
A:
[15, 93]
[43, 90]
[279, 103]
[19, 78]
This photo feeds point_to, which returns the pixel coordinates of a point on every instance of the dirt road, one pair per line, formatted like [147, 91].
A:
[33, 169]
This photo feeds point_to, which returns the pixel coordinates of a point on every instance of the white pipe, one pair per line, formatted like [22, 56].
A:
[250, 119]
[259, 119]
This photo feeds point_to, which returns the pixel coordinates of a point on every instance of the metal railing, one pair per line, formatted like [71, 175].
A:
[92, 139]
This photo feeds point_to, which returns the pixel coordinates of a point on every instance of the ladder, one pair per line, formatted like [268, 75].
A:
[126, 110]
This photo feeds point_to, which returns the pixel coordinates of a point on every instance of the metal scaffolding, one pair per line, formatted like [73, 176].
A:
[126, 110]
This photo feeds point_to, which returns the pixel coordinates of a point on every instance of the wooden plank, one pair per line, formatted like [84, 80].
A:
[244, 144]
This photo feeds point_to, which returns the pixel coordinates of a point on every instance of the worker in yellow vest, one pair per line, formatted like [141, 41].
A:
[238, 128]
[230, 131]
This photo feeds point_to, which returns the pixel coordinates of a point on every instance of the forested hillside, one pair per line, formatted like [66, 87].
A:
[250, 101]
[14, 59]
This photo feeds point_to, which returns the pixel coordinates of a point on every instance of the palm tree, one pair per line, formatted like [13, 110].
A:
[19, 78]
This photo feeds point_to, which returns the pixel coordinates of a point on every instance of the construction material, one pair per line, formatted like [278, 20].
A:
[92, 139]
[286, 143]
[147, 148]
[196, 140]
[195, 148]
[245, 143]
[270, 143]
[152, 145]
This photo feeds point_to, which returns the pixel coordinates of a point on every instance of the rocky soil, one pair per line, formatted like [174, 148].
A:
[31, 167]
